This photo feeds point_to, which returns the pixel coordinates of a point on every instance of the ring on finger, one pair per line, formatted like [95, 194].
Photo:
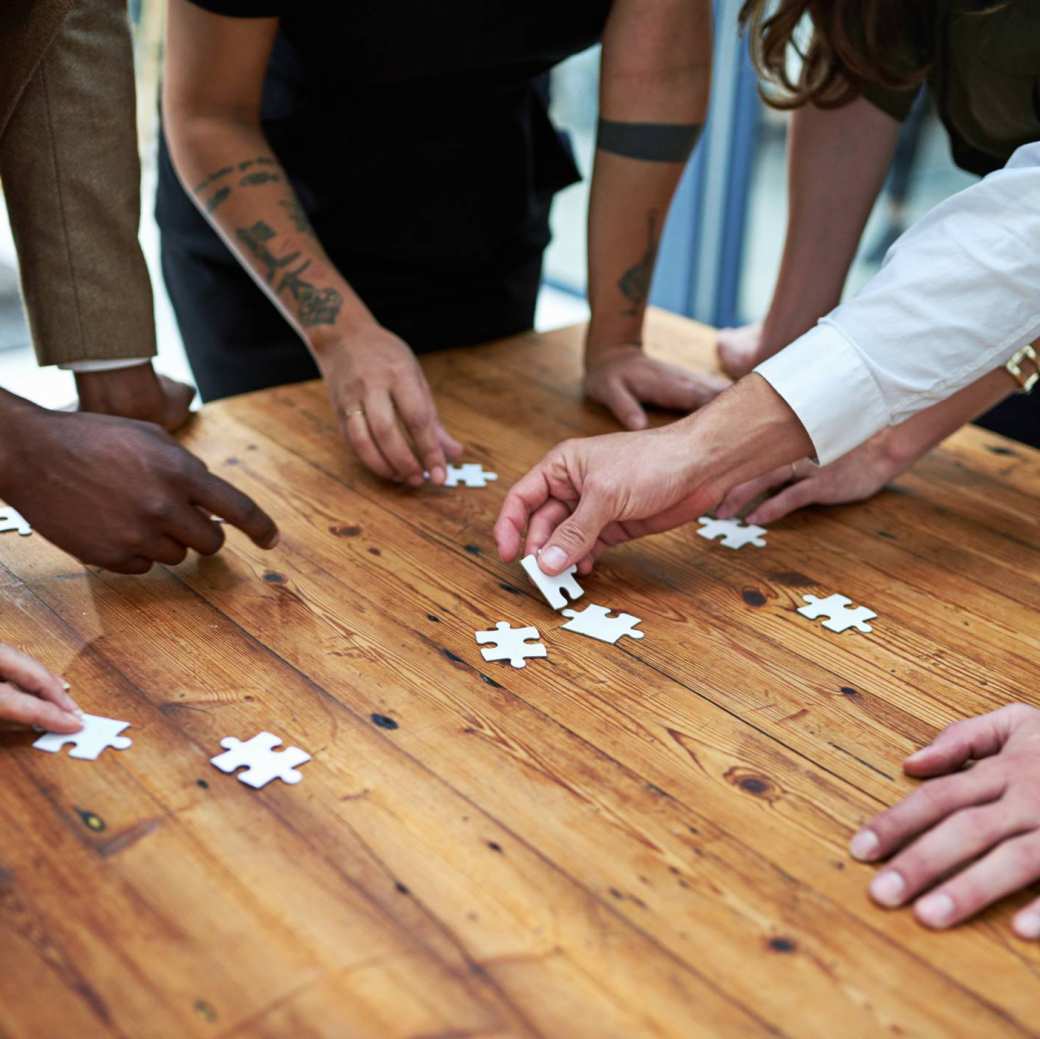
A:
[351, 412]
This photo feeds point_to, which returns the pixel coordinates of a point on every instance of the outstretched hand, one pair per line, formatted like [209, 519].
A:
[968, 836]
[624, 379]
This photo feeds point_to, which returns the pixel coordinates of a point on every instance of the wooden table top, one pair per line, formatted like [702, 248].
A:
[646, 839]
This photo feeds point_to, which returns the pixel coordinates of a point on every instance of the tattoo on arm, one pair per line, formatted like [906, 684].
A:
[212, 178]
[651, 142]
[315, 306]
[260, 160]
[218, 196]
[296, 213]
[260, 177]
[635, 282]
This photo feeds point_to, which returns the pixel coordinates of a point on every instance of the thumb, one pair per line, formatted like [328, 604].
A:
[575, 538]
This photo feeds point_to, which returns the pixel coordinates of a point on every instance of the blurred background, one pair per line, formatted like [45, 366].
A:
[720, 251]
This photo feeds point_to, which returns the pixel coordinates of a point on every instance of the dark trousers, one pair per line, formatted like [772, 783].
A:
[1017, 417]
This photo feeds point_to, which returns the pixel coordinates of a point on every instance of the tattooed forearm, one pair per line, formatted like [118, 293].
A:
[260, 177]
[218, 196]
[651, 142]
[635, 282]
[260, 160]
[315, 306]
[212, 178]
[296, 214]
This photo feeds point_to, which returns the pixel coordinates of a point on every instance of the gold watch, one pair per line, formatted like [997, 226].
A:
[1026, 377]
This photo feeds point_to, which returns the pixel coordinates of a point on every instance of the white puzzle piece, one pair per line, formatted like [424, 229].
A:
[511, 644]
[469, 475]
[96, 735]
[596, 622]
[260, 759]
[553, 587]
[839, 617]
[11, 520]
[734, 534]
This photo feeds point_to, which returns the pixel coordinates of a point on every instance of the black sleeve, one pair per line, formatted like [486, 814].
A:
[242, 8]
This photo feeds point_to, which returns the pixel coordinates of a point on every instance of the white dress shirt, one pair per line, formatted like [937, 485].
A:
[957, 296]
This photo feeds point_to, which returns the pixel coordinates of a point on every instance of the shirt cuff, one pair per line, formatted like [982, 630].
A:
[103, 366]
[827, 384]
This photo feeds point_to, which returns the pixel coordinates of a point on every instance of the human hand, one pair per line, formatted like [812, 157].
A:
[623, 378]
[31, 695]
[855, 477]
[385, 407]
[968, 838]
[586, 495]
[137, 393]
[739, 349]
[116, 493]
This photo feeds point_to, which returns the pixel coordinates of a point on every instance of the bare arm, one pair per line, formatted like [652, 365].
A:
[211, 102]
[654, 84]
[836, 163]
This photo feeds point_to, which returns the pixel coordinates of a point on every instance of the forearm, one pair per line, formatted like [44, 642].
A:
[12, 442]
[654, 85]
[837, 161]
[240, 186]
[925, 430]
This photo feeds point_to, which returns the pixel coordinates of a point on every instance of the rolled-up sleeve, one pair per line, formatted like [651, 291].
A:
[958, 294]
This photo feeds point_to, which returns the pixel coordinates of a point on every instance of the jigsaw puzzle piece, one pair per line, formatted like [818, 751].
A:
[553, 587]
[470, 475]
[511, 644]
[597, 623]
[261, 761]
[733, 532]
[11, 520]
[839, 617]
[97, 735]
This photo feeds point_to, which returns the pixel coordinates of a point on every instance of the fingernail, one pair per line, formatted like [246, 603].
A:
[274, 540]
[864, 846]
[935, 910]
[553, 557]
[65, 685]
[916, 756]
[887, 888]
[1027, 924]
[439, 475]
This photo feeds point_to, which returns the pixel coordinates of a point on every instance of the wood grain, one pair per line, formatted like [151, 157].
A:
[645, 839]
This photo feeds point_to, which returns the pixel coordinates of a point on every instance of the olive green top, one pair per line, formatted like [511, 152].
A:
[985, 77]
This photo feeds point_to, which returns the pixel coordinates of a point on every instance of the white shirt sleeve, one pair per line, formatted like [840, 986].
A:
[957, 295]
[104, 366]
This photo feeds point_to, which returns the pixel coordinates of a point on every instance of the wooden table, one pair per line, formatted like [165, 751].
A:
[646, 839]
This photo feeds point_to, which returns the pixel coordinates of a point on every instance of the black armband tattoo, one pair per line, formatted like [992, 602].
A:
[651, 142]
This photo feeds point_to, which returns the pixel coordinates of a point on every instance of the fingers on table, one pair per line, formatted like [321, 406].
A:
[416, 410]
[221, 499]
[23, 671]
[972, 738]
[926, 806]
[26, 709]
[624, 404]
[743, 494]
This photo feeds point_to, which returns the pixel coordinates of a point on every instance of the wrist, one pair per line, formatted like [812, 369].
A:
[746, 431]
[16, 439]
[325, 342]
[124, 392]
[606, 336]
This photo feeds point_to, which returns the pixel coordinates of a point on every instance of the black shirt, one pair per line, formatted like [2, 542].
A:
[416, 134]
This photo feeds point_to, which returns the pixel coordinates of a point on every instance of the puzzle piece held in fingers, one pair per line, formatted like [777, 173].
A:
[96, 735]
[553, 587]
[839, 617]
[469, 475]
[511, 644]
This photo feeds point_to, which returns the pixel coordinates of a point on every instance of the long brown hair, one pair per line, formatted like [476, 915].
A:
[852, 43]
